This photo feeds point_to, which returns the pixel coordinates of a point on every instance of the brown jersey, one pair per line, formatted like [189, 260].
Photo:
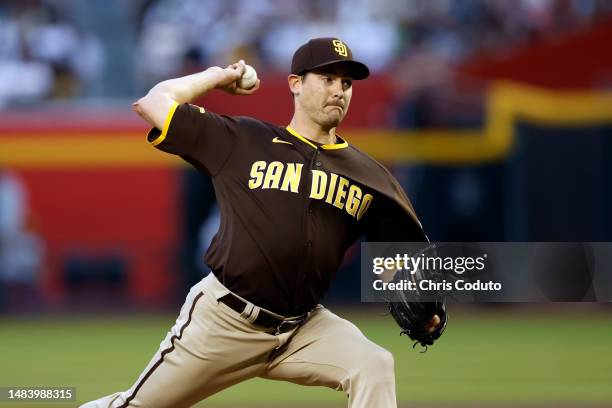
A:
[289, 207]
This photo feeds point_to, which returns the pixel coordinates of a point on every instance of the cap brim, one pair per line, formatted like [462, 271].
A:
[356, 69]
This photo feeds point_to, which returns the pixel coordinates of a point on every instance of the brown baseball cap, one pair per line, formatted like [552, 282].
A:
[320, 52]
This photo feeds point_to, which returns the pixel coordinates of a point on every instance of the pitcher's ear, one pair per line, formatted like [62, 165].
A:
[295, 83]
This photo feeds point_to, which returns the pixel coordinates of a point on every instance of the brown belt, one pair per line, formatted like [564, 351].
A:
[264, 318]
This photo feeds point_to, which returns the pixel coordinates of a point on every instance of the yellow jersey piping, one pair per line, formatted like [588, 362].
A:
[164, 132]
[308, 142]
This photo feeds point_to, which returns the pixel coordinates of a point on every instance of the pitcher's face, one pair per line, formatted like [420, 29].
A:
[324, 96]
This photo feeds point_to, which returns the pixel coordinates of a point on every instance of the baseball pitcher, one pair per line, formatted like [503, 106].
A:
[292, 200]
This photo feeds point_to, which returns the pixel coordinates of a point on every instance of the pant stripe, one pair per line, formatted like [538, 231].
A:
[161, 358]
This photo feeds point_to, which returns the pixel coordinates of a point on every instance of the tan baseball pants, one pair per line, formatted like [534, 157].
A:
[211, 347]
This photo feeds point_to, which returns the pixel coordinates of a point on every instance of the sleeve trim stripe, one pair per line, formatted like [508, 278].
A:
[164, 132]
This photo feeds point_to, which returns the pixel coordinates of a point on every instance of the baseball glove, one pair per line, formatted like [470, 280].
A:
[413, 310]
[413, 316]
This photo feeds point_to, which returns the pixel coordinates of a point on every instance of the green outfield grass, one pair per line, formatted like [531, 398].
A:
[494, 358]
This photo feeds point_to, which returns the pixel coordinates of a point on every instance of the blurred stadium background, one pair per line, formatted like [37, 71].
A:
[496, 116]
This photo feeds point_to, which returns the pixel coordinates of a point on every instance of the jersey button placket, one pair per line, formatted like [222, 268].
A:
[309, 210]
[316, 156]
[316, 163]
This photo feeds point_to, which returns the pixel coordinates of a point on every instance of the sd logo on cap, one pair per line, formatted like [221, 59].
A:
[320, 52]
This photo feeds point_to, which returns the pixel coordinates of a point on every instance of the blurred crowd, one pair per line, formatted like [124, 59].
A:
[46, 50]
[419, 41]
[380, 33]
[43, 54]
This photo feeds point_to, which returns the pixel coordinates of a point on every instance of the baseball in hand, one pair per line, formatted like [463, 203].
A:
[249, 78]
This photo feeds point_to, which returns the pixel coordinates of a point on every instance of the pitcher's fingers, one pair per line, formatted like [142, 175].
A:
[240, 91]
[432, 324]
[240, 66]
[237, 69]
